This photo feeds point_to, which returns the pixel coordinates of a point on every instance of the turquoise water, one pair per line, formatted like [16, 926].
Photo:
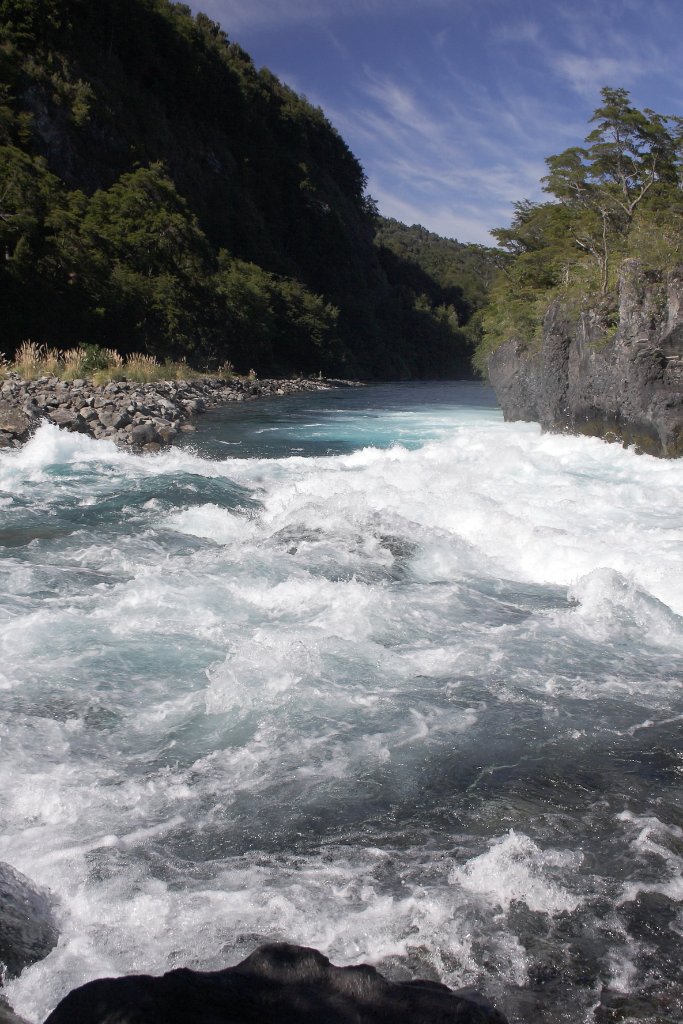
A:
[368, 670]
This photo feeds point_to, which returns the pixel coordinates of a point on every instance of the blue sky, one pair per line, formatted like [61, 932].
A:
[452, 105]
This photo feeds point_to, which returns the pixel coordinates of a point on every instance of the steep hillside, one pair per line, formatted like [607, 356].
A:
[450, 272]
[163, 194]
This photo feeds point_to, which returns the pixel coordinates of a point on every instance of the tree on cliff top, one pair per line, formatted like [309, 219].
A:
[631, 154]
[617, 196]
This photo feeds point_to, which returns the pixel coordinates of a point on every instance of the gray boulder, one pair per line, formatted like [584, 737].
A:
[27, 926]
[15, 422]
[144, 433]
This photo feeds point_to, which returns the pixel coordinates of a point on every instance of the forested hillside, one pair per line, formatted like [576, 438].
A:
[448, 271]
[159, 193]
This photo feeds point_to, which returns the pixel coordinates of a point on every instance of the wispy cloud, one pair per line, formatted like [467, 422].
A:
[524, 31]
[438, 160]
[453, 106]
[595, 46]
[588, 74]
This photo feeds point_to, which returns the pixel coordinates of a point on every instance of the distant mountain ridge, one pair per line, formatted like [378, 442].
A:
[164, 195]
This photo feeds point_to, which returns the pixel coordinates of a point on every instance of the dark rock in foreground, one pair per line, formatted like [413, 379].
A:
[27, 927]
[624, 385]
[277, 984]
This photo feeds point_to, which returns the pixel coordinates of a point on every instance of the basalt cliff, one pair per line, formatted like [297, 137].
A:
[586, 377]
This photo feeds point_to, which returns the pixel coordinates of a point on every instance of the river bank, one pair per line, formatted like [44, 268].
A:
[146, 416]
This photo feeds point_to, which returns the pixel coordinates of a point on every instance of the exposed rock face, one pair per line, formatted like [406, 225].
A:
[27, 927]
[627, 386]
[277, 984]
[8, 1016]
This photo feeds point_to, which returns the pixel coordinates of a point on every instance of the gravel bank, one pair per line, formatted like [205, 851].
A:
[144, 416]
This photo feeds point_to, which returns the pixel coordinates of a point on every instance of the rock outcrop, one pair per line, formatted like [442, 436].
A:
[146, 416]
[27, 926]
[277, 984]
[587, 378]
[8, 1016]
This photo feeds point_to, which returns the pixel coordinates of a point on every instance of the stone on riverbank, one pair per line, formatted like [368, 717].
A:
[139, 415]
[16, 425]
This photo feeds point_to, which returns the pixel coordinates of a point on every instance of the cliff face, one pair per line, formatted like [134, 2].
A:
[585, 378]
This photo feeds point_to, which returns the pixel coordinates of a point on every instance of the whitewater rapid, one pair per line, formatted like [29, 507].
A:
[415, 703]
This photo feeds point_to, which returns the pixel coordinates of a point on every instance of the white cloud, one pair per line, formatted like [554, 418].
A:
[525, 31]
[611, 44]
[446, 220]
[588, 74]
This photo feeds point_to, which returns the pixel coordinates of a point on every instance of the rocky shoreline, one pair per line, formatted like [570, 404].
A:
[145, 417]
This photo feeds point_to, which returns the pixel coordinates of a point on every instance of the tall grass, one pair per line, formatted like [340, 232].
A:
[31, 360]
[143, 369]
[73, 363]
[99, 365]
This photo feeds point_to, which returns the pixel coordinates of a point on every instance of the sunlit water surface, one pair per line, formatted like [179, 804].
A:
[368, 670]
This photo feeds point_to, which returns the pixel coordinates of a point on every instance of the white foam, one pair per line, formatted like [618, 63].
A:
[516, 869]
[213, 523]
[369, 622]
[653, 839]
[610, 603]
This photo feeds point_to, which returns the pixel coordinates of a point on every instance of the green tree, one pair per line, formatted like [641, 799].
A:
[631, 155]
[617, 196]
[143, 263]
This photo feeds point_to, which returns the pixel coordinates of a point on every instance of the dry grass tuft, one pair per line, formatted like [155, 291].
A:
[226, 370]
[73, 362]
[143, 369]
[28, 360]
[114, 360]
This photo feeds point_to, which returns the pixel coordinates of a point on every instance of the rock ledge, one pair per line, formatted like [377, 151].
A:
[277, 984]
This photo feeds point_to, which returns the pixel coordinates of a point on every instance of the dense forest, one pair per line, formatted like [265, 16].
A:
[158, 193]
[615, 198]
[450, 272]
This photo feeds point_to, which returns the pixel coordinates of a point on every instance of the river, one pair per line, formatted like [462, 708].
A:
[368, 670]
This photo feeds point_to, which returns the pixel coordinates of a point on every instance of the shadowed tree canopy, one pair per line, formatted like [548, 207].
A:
[159, 192]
